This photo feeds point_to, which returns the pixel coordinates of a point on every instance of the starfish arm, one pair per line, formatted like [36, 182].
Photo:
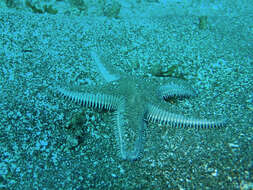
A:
[98, 101]
[171, 90]
[159, 116]
[119, 129]
[120, 123]
[139, 142]
[101, 68]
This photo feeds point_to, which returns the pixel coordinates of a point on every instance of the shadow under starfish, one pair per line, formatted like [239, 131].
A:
[135, 102]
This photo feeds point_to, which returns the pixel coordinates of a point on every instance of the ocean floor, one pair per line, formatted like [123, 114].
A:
[47, 142]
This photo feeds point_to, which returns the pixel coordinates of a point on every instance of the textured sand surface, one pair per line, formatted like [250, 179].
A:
[40, 148]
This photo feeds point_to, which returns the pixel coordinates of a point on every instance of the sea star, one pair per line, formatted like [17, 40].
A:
[135, 102]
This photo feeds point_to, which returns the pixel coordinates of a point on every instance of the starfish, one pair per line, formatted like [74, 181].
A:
[135, 102]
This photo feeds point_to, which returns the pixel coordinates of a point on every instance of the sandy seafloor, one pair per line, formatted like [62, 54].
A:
[39, 151]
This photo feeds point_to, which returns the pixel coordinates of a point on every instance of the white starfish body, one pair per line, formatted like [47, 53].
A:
[132, 101]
